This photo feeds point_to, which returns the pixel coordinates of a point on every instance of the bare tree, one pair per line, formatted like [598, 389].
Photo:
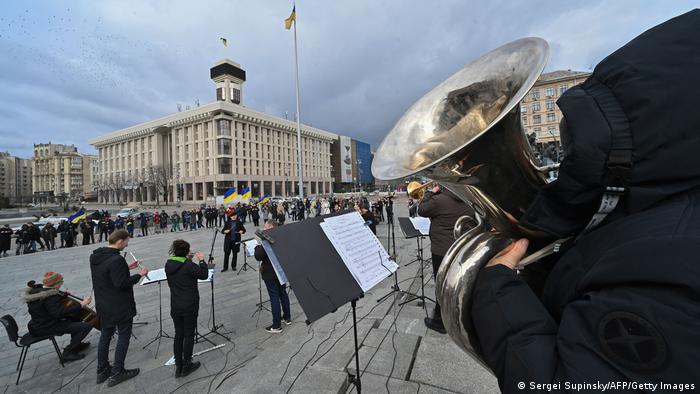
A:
[160, 179]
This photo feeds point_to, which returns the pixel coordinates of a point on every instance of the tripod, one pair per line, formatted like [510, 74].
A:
[260, 306]
[391, 244]
[161, 332]
[355, 379]
[245, 265]
[419, 257]
[214, 329]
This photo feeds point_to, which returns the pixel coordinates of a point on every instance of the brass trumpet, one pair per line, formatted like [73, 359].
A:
[416, 190]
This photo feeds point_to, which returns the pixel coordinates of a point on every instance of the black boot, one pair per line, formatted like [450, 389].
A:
[435, 325]
[71, 355]
[122, 376]
[178, 370]
[103, 374]
[189, 367]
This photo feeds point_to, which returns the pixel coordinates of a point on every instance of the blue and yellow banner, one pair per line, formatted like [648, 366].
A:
[75, 218]
[230, 195]
[246, 194]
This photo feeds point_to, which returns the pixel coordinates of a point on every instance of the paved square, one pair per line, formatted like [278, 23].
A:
[397, 353]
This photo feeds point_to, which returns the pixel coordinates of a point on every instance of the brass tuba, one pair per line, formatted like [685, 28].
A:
[466, 134]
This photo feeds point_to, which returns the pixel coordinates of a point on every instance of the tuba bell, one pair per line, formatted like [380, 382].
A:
[466, 134]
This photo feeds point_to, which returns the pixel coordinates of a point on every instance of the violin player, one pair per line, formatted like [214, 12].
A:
[49, 315]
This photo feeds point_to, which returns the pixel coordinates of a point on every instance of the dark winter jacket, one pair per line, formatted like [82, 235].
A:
[48, 232]
[113, 286]
[622, 303]
[443, 210]
[5, 238]
[45, 309]
[233, 236]
[370, 221]
[182, 279]
[266, 270]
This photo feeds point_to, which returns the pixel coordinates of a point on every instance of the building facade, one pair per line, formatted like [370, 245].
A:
[352, 164]
[197, 154]
[539, 111]
[60, 170]
[15, 179]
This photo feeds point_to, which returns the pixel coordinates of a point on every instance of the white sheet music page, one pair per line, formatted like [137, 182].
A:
[154, 276]
[421, 224]
[359, 248]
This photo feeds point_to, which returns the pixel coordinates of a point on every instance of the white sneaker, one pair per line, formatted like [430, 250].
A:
[287, 322]
[273, 330]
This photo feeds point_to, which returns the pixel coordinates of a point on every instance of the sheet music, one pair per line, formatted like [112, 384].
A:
[154, 276]
[250, 247]
[281, 276]
[209, 278]
[421, 224]
[359, 248]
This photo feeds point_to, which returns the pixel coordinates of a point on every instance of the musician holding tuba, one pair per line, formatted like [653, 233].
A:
[49, 316]
[621, 305]
[443, 208]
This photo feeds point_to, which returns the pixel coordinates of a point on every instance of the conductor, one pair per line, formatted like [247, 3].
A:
[232, 239]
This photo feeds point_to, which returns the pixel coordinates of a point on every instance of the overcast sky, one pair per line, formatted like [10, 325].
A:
[70, 71]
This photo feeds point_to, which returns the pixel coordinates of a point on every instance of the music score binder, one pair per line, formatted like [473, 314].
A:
[315, 269]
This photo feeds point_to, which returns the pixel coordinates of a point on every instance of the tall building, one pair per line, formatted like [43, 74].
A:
[15, 179]
[195, 155]
[352, 164]
[539, 110]
[60, 171]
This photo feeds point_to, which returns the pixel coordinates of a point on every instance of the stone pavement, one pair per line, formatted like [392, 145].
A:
[397, 353]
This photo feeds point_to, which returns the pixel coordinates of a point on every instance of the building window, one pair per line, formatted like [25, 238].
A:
[224, 146]
[523, 108]
[224, 127]
[550, 105]
[551, 117]
[536, 119]
[235, 95]
[524, 119]
[552, 130]
[549, 92]
[535, 94]
[535, 107]
[563, 88]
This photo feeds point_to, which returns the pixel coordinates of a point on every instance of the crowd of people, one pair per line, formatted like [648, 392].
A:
[97, 226]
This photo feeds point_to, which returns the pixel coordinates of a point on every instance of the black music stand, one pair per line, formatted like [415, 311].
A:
[245, 260]
[161, 332]
[409, 231]
[215, 328]
[260, 306]
[322, 282]
[391, 243]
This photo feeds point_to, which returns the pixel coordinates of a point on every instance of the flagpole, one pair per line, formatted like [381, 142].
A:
[296, 70]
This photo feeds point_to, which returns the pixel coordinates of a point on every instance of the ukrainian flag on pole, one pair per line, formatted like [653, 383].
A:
[292, 18]
[264, 199]
[75, 218]
[230, 195]
[246, 194]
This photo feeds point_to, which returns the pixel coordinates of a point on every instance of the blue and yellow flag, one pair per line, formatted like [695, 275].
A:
[264, 199]
[75, 218]
[292, 18]
[246, 194]
[230, 195]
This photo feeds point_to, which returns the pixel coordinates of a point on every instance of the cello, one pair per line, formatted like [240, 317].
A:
[86, 314]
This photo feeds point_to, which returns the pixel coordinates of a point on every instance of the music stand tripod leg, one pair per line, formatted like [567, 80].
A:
[355, 379]
[161, 333]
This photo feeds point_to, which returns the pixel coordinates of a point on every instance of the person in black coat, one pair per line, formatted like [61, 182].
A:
[49, 235]
[5, 240]
[115, 305]
[232, 231]
[621, 303]
[50, 317]
[279, 299]
[182, 275]
[443, 208]
[255, 215]
[368, 217]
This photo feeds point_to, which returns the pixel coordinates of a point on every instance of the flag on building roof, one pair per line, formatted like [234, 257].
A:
[230, 195]
[75, 218]
[224, 41]
[292, 18]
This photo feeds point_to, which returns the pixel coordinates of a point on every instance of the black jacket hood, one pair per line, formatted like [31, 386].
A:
[648, 90]
[100, 254]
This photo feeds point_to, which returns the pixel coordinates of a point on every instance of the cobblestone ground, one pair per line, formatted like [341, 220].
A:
[397, 353]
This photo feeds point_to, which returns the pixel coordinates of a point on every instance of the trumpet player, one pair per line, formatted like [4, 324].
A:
[443, 208]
